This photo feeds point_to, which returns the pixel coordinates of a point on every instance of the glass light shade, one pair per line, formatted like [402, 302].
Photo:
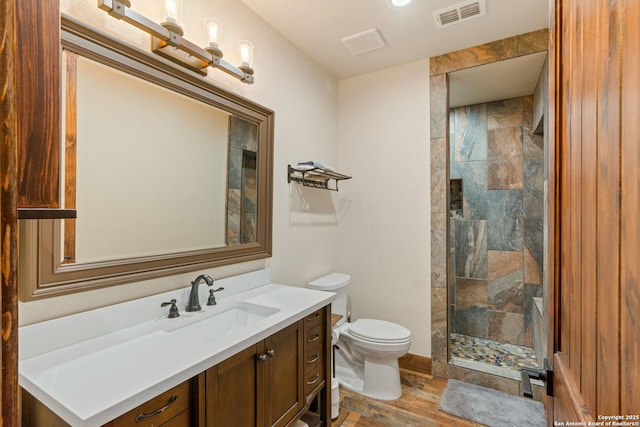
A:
[400, 2]
[213, 29]
[174, 11]
[245, 49]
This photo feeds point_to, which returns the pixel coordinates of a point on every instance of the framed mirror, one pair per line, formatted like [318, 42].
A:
[168, 173]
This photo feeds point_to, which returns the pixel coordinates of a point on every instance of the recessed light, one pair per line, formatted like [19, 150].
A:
[400, 2]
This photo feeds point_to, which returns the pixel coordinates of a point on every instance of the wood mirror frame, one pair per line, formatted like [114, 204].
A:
[41, 270]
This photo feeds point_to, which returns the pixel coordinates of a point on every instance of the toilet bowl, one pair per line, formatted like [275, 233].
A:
[367, 350]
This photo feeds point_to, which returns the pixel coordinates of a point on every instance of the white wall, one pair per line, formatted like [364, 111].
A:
[375, 228]
[305, 99]
[384, 231]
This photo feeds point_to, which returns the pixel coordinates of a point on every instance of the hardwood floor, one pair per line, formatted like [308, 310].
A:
[418, 406]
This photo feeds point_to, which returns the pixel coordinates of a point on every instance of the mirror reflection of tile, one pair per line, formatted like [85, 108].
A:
[455, 199]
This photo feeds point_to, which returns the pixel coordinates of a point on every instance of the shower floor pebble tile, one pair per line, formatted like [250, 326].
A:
[492, 352]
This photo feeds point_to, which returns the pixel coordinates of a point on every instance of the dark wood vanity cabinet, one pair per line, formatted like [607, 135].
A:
[270, 384]
[260, 386]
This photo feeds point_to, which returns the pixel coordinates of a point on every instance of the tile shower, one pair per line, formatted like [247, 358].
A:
[496, 231]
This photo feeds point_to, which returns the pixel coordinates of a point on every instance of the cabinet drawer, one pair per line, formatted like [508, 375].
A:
[312, 379]
[314, 319]
[313, 356]
[313, 336]
[160, 409]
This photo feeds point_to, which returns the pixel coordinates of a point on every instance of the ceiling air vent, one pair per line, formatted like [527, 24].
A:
[459, 12]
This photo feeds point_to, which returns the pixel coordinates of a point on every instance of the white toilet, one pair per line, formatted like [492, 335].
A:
[367, 350]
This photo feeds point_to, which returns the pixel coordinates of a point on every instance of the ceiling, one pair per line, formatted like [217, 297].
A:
[507, 79]
[316, 27]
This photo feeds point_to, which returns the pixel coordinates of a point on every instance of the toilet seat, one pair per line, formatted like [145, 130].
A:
[379, 331]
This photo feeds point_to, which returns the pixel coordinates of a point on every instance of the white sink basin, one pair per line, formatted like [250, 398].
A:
[225, 322]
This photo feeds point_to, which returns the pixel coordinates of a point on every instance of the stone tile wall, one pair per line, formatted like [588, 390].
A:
[496, 248]
[442, 276]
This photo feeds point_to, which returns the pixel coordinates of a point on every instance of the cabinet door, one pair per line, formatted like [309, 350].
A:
[260, 386]
[232, 391]
[283, 394]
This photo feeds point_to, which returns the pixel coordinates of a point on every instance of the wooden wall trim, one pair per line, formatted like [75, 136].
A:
[415, 362]
[9, 221]
[70, 153]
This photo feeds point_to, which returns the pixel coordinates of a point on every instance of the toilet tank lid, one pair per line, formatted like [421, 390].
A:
[330, 282]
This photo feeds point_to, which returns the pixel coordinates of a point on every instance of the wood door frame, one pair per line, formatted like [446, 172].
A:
[553, 232]
[9, 217]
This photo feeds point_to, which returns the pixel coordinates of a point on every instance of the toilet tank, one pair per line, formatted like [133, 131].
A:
[338, 283]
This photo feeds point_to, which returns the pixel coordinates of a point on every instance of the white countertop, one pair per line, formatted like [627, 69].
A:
[92, 367]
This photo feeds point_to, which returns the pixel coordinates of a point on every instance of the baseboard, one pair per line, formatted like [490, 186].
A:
[414, 362]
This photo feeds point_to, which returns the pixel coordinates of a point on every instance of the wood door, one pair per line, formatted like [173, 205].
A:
[283, 394]
[594, 185]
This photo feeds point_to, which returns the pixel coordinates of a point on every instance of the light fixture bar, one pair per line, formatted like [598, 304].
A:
[232, 70]
[120, 10]
[191, 55]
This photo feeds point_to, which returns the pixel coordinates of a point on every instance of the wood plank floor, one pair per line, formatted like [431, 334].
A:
[418, 406]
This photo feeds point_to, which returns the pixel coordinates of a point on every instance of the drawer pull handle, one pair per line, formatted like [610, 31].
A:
[314, 360]
[141, 417]
[271, 353]
[314, 380]
[314, 339]
[314, 317]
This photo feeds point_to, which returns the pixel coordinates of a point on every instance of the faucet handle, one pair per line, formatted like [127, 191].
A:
[173, 310]
[212, 298]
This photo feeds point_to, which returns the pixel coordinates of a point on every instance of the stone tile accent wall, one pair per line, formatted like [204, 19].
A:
[497, 245]
[443, 298]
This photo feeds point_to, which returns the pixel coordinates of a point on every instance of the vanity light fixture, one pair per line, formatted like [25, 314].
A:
[174, 13]
[167, 40]
[245, 48]
[213, 28]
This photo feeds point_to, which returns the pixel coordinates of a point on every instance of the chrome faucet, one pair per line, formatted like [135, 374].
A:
[194, 301]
